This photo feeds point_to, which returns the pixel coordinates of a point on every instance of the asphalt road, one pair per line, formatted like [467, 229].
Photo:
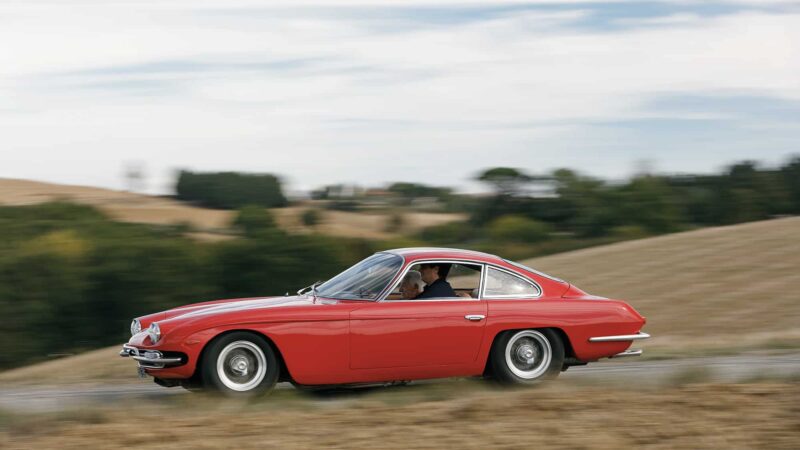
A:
[626, 371]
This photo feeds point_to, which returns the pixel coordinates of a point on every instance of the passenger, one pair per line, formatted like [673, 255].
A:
[412, 285]
[435, 277]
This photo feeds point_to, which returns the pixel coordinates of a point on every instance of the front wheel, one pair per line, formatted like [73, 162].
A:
[527, 356]
[240, 364]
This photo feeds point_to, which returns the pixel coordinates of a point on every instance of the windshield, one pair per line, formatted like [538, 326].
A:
[366, 280]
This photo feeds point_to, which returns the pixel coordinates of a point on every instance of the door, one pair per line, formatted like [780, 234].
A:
[414, 333]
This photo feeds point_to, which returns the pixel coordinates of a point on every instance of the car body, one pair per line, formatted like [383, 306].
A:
[335, 334]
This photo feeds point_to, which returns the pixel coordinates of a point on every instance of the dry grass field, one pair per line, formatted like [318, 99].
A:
[459, 415]
[728, 288]
[210, 224]
[367, 225]
[103, 364]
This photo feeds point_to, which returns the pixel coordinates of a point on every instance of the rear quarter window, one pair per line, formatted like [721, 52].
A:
[502, 284]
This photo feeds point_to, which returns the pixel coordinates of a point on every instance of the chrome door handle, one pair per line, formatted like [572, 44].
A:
[474, 317]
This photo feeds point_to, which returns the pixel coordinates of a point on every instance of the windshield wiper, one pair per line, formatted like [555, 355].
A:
[312, 288]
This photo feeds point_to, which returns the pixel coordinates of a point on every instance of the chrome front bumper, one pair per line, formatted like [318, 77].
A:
[149, 359]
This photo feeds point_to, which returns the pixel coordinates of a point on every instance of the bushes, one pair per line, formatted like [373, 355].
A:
[506, 229]
[252, 220]
[449, 233]
[70, 279]
[310, 217]
[591, 208]
[229, 190]
[395, 222]
[518, 229]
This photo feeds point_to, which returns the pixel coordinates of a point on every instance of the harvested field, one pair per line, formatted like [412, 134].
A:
[211, 224]
[733, 287]
[369, 225]
[454, 415]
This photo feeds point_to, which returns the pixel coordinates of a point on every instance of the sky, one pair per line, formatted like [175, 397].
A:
[371, 92]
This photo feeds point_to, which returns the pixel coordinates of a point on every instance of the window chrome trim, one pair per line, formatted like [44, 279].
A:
[378, 297]
[435, 299]
[511, 296]
[403, 273]
[532, 270]
[484, 270]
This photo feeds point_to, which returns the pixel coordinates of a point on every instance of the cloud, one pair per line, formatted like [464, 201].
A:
[342, 91]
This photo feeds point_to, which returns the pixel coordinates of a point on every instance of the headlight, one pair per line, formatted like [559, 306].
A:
[154, 332]
[136, 327]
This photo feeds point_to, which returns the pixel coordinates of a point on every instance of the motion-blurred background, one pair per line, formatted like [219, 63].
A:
[157, 153]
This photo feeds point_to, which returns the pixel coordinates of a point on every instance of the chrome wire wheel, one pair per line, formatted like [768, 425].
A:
[241, 366]
[528, 354]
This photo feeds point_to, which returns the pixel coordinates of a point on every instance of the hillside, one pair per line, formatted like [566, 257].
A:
[711, 290]
[210, 224]
[725, 287]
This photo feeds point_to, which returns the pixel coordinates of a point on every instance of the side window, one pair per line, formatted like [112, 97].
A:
[463, 278]
[503, 284]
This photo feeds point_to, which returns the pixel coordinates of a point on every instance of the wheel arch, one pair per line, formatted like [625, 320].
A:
[569, 352]
[284, 374]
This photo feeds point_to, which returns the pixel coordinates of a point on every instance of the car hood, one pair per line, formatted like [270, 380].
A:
[243, 304]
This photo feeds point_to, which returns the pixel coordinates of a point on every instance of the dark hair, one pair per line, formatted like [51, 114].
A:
[444, 268]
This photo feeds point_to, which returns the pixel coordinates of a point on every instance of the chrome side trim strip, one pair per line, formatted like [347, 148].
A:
[622, 337]
[636, 352]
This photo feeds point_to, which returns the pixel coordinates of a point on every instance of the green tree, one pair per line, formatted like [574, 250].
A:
[790, 178]
[518, 229]
[252, 220]
[588, 203]
[230, 190]
[505, 181]
[310, 217]
[273, 263]
[650, 203]
[407, 192]
[395, 222]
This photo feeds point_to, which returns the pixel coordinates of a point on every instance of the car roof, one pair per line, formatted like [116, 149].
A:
[441, 252]
[416, 253]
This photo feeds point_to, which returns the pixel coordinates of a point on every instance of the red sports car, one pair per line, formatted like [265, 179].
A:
[399, 315]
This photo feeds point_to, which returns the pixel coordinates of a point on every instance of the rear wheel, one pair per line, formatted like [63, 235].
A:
[527, 356]
[240, 364]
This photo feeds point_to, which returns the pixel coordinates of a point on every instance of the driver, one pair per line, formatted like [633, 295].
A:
[435, 276]
[412, 285]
